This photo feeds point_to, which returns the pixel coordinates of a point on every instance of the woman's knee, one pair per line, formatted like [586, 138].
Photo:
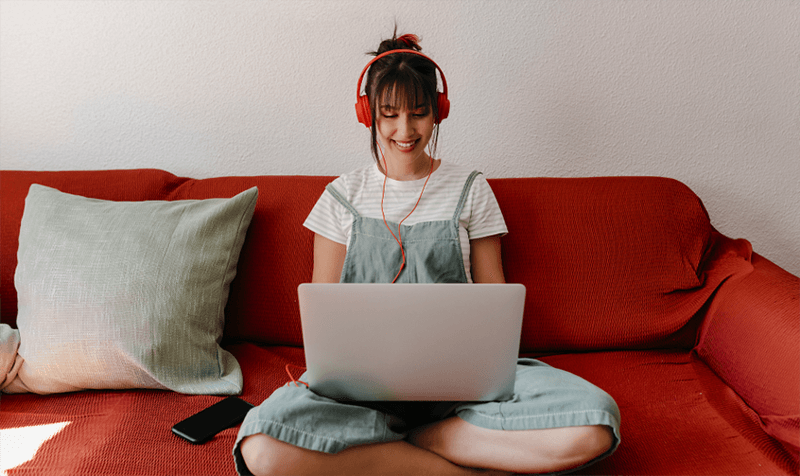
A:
[585, 443]
[565, 448]
[264, 455]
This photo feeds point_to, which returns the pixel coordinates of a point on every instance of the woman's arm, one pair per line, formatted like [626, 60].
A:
[486, 260]
[328, 260]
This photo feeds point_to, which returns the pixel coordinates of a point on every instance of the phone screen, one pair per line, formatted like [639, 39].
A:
[203, 425]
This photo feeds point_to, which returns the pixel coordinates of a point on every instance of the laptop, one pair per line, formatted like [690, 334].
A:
[412, 342]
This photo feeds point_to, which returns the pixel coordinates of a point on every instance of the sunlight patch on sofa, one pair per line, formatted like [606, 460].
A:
[19, 445]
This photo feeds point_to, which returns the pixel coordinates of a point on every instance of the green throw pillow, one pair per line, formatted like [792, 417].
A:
[117, 295]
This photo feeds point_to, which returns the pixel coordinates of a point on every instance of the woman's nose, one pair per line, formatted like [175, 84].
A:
[405, 126]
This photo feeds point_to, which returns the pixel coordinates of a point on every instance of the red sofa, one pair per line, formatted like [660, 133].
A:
[629, 286]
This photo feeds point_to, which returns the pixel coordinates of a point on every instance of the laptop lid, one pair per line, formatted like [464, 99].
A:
[373, 342]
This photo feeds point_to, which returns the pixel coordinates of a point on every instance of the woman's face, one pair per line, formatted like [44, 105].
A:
[404, 132]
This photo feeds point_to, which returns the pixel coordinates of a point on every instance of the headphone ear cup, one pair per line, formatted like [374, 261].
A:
[362, 111]
[443, 107]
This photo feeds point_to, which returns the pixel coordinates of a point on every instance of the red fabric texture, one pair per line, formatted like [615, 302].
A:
[751, 338]
[128, 432]
[608, 263]
[678, 417]
[624, 277]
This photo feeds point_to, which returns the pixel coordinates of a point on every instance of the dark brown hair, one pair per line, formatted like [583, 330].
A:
[406, 77]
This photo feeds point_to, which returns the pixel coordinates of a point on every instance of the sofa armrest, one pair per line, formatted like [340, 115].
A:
[751, 339]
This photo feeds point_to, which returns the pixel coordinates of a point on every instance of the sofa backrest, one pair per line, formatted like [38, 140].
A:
[608, 263]
[275, 259]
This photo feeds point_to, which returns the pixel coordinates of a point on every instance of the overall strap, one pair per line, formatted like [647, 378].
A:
[340, 198]
[463, 199]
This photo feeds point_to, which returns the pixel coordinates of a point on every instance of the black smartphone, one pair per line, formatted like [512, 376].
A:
[203, 425]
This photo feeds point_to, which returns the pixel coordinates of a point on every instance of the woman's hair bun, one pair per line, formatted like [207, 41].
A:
[402, 42]
[411, 41]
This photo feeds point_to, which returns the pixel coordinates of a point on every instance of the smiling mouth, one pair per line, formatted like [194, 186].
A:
[406, 145]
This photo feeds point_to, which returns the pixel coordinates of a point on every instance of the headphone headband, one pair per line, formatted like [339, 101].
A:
[363, 111]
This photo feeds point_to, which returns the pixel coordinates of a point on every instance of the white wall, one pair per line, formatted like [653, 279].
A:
[704, 91]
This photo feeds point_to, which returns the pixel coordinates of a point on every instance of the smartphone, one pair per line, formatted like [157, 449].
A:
[203, 425]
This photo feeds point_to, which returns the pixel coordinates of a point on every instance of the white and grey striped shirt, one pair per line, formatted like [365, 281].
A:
[481, 216]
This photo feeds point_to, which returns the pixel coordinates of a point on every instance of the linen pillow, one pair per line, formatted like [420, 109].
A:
[117, 295]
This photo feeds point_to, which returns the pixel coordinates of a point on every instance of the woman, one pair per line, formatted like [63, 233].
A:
[409, 217]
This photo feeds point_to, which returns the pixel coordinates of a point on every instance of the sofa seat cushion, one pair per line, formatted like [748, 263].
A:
[108, 433]
[677, 418]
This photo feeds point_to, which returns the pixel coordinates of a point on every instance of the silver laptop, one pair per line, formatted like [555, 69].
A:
[369, 342]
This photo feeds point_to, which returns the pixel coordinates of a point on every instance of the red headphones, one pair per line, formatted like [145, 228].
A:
[363, 111]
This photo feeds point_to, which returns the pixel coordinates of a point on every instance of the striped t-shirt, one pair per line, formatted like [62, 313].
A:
[481, 216]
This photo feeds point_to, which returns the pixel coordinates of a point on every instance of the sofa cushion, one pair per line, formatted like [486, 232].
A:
[677, 418]
[121, 185]
[621, 259]
[127, 294]
[608, 262]
[275, 258]
[277, 255]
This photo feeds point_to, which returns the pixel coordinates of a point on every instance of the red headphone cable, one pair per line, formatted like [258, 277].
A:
[295, 381]
[399, 238]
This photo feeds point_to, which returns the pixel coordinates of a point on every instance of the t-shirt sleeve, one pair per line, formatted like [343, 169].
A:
[486, 218]
[326, 218]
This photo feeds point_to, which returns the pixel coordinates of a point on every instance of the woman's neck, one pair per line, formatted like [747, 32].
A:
[416, 170]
